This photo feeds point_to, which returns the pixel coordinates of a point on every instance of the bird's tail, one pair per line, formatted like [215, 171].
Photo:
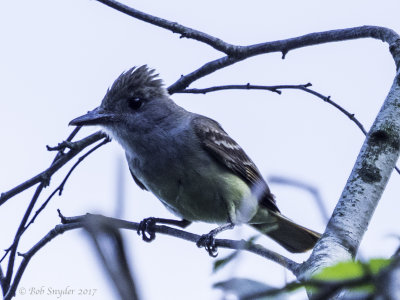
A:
[289, 235]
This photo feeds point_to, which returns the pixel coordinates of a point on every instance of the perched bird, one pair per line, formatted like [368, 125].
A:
[189, 163]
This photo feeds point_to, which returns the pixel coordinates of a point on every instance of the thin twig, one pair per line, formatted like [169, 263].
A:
[70, 223]
[69, 139]
[248, 86]
[317, 38]
[327, 99]
[61, 146]
[284, 46]
[349, 115]
[277, 89]
[244, 52]
[237, 53]
[61, 160]
[223, 243]
[3, 287]
[59, 229]
[13, 250]
[44, 177]
[185, 32]
[60, 188]
[234, 54]
[210, 67]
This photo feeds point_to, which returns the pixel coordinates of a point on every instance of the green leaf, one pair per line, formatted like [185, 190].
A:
[352, 270]
[341, 271]
[377, 264]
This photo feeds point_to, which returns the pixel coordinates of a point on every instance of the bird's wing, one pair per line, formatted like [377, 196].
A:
[137, 181]
[226, 151]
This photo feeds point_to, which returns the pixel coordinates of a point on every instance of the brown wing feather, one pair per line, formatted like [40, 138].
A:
[226, 151]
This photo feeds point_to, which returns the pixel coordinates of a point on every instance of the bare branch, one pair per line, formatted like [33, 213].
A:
[384, 34]
[208, 68]
[184, 31]
[237, 53]
[13, 249]
[363, 189]
[223, 243]
[277, 89]
[60, 188]
[284, 46]
[3, 287]
[327, 99]
[44, 177]
[60, 160]
[69, 139]
[59, 229]
[317, 38]
[367, 178]
[61, 146]
[248, 86]
[70, 223]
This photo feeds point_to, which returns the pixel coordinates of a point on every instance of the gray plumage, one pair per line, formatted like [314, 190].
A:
[188, 161]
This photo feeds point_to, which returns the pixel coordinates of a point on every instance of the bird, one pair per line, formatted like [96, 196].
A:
[190, 163]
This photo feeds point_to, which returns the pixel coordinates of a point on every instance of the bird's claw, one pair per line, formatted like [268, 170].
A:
[146, 229]
[208, 242]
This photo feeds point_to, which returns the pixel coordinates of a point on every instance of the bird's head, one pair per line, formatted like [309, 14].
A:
[136, 100]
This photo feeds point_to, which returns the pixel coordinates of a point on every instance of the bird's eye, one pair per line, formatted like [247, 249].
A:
[135, 103]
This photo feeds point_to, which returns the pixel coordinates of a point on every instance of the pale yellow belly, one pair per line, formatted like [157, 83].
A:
[211, 194]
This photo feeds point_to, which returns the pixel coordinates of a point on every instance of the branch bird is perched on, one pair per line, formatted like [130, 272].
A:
[189, 163]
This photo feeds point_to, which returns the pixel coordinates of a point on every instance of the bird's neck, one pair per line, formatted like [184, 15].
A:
[164, 129]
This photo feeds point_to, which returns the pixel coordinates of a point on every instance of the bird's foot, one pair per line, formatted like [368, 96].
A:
[147, 226]
[208, 242]
[146, 229]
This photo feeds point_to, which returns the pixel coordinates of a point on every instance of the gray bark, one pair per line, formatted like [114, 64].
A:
[365, 186]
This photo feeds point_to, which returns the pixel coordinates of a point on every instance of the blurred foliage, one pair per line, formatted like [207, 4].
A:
[357, 277]
[220, 263]
[243, 287]
[352, 269]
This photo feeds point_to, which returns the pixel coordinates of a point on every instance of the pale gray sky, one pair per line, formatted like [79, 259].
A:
[57, 59]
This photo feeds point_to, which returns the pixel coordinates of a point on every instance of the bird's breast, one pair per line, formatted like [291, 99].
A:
[195, 187]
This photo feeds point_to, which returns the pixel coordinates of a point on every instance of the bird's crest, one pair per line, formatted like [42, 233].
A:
[137, 81]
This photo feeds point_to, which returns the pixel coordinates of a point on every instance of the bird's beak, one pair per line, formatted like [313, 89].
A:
[98, 116]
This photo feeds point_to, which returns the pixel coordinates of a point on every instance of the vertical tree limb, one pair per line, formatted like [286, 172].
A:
[364, 187]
